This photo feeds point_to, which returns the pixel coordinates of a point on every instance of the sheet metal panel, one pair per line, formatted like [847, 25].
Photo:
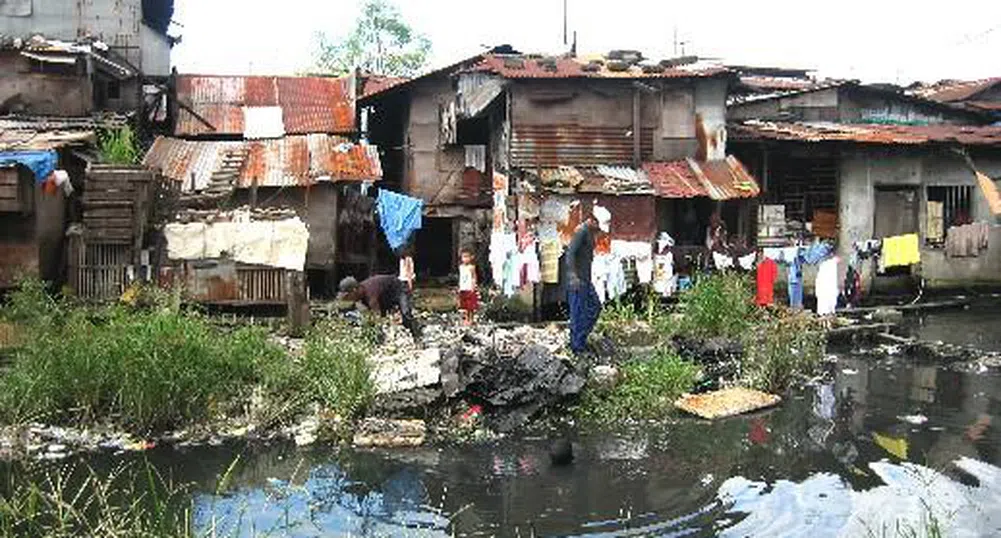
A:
[289, 161]
[555, 145]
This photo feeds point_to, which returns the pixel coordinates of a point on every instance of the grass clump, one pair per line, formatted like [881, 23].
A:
[131, 500]
[118, 146]
[720, 304]
[146, 370]
[646, 389]
[780, 350]
[334, 370]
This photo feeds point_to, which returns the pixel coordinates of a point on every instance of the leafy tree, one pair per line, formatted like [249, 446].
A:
[381, 42]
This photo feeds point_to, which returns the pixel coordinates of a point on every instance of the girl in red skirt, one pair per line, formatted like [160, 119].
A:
[468, 300]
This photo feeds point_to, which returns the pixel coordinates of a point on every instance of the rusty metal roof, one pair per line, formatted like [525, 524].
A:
[724, 179]
[308, 104]
[866, 133]
[529, 66]
[373, 84]
[951, 91]
[686, 178]
[41, 132]
[291, 161]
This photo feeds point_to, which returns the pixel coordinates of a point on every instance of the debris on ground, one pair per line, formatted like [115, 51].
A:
[604, 376]
[726, 402]
[389, 433]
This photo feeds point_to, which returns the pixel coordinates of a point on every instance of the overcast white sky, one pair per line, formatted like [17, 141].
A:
[873, 40]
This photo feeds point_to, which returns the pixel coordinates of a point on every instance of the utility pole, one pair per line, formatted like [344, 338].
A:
[564, 22]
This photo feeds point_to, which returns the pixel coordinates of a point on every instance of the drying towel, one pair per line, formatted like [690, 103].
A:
[827, 287]
[901, 251]
[399, 216]
[41, 163]
[550, 262]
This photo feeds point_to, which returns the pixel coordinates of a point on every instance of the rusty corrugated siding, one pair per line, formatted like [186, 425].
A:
[954, 91]
[725, 179]
[309, 104]
[866, 133]
[289, 161]
[555, 145]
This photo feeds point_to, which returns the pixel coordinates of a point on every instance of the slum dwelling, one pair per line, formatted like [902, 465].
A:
[509, 151]
[855, 165]
[54, 102]
[267, 146]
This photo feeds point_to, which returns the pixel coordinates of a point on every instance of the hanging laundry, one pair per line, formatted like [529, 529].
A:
[503, 246]
[817, 252]
[528, 266]
[476, 158]
[774, 254]
[618, 281]
[641, 252]
[550, 261]
[722, 261]
[768, 272]
[827, 287]
[795, 284]
[663, 274]
[900, 251]
[968, 240]
[746, 262]
[399, 215]
[790, 254]
[500, 212]
[629, 268]
[600, 269]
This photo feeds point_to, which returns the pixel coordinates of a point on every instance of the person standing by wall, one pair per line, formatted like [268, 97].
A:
[468, 300]
[581, 295]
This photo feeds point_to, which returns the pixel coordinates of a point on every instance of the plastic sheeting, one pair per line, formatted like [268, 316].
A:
[41, 163]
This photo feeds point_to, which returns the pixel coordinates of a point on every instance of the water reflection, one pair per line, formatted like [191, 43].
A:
[875, 445]
[883, 441]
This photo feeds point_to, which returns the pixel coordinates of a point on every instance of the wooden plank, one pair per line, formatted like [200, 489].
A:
[109, 222]
[98, 204]
[100, 196]
[108, 212]
[726, 402]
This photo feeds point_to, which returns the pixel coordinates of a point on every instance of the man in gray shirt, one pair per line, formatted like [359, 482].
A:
[585, 307]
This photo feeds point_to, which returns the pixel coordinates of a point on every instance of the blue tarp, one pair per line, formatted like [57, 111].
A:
[399, 216]
[41, 162]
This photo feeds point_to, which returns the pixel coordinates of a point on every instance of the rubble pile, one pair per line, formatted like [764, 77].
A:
[514, 372]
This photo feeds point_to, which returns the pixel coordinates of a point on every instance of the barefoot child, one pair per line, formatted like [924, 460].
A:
[468, 300]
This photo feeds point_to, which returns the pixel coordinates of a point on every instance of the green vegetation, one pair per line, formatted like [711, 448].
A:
[647, 389]
[719, 305]
[129, 501]
[118, 146]
[381, 43]
[777, 351]
[154, 369]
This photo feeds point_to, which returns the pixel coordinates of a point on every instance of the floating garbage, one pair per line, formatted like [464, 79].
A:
[917, 420]
[726, 402]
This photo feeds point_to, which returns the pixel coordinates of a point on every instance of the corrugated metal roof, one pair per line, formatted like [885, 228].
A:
[289, 161]
[35, 132]
[866, 133]
[373, 84]
[956, 90]
[725, 179]
[524, 66]
[308, 104]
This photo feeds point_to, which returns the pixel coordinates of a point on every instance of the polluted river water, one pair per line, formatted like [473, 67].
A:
[885, 446]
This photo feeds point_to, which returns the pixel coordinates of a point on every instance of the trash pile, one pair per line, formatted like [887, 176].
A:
[512, 373]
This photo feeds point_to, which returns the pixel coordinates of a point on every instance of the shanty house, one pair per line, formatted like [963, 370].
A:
[277, 142]
[647, 140]
[979, 95]
[850, 163]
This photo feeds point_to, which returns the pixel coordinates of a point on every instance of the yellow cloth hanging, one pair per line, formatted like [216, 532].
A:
[549, 252]
[901, 251]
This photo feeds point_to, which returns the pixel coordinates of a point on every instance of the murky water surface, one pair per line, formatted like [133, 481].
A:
[888, 448]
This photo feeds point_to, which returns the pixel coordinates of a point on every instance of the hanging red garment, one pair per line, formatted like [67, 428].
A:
[768, 271]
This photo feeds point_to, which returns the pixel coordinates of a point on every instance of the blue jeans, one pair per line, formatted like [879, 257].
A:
[584, 311]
